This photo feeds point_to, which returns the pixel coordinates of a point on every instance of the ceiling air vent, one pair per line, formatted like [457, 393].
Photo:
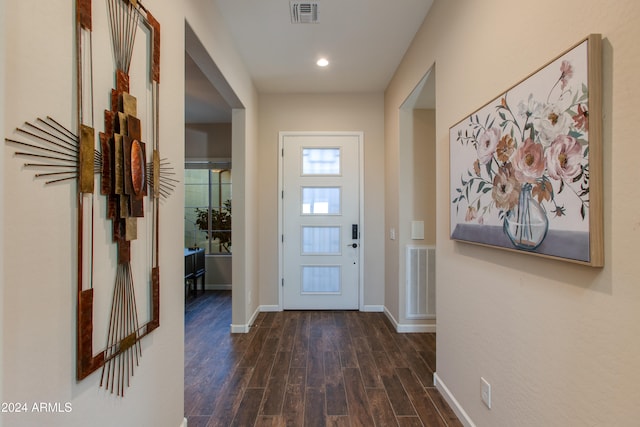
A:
[304, 12]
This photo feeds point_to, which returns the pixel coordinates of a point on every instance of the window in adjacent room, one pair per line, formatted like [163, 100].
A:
[207, 206]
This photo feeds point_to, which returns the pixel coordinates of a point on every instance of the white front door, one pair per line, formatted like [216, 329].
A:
[320, 220]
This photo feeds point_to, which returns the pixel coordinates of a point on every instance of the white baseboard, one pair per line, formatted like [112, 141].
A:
[239, 329]
[409, 327]
[453, 403]
[373, 308]
[270, 308]
[184, 423]
[243, 329]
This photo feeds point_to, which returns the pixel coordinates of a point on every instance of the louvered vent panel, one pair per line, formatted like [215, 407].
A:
[304, 12]
[421, 282]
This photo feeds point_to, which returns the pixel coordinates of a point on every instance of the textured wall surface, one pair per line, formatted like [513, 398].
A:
[558, 342]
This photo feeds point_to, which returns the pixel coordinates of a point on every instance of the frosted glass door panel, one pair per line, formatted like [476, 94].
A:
[323, 279]
[321, 240]
[320, 161]
[321, 200]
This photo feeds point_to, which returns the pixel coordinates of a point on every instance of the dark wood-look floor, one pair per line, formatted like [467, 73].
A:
[307, 368]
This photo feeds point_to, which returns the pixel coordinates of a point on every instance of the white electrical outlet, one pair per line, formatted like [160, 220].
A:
[485, 392]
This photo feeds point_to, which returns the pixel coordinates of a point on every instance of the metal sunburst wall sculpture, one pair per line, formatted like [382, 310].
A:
[129, 173]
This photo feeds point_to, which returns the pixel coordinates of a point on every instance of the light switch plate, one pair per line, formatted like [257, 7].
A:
[417, 230]
[485, 392]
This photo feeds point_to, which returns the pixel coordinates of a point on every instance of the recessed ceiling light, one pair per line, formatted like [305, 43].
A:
[322, 62]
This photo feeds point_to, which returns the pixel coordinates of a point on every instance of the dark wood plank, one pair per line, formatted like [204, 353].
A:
[348, 359]
[198, 421]
[266, 421]
[230, 397]
[262, 370]
[295, 368]
[314, 412]
[427, 412]
[281, 364]
[298, 376]
[293, 408]
[287, 338]
[315, 368]
[359, 412]
[368, 370]
[250, 404]
[274, 395]
[445, 410]
[334, 385]
[336, 396]
[407, 422]
[398, 397]
[381, 410]
[251, 354]
[338, 421]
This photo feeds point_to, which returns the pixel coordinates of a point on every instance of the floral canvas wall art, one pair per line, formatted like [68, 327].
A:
[525, 168]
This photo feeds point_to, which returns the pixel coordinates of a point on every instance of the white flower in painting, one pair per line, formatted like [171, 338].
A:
[552, 122]
[487, 143]
[529, 108]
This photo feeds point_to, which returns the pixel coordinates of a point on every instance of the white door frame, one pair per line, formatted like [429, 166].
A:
[361, 245]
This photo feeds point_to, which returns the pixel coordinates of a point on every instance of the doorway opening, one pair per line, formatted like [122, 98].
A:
[417, 208]
[210, 106]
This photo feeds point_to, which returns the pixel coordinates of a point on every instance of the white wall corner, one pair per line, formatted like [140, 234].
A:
[239, 329]
[184, 423]
[392, 319]
[452, 401]
[409, 327]
[244, 328]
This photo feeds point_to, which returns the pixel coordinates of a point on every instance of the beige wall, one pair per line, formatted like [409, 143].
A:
[424, 166]
[207, 141]
[322, 112]
[206, 22]
[558, 342]
[38, 221]
[2, 238]
[39, 255]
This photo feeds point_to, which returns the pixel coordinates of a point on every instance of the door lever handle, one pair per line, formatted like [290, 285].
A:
[352, 245]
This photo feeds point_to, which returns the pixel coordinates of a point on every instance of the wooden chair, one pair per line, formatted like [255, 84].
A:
[189, 274]
[199, 270]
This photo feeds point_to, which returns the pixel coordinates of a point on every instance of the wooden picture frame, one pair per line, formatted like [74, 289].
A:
[526, 168]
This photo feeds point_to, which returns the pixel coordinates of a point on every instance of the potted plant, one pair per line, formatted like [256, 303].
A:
[220, 224]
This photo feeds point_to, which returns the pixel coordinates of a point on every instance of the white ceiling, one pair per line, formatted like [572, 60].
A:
[364, 40]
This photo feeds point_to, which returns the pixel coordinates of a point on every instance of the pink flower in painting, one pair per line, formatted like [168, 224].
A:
[567, 73]
[529, 161]
[472, 213]
[581, 119]
[487, 143]
[506, 188]
[564, 158]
